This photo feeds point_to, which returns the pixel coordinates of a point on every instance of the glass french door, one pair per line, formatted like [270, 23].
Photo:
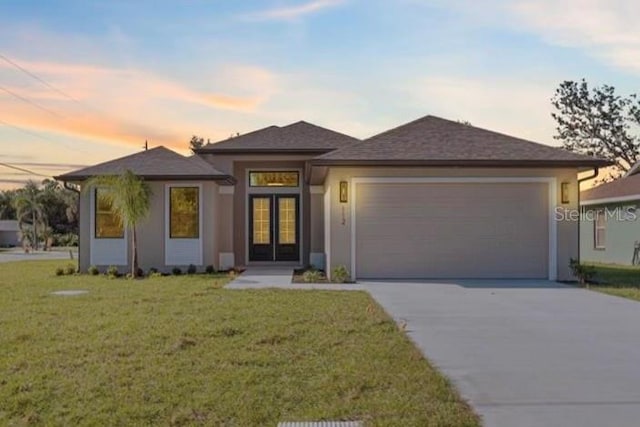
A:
[274, 227]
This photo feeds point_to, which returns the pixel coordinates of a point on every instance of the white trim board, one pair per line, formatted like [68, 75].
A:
[550, 181]
[183, 251]
[606, 200]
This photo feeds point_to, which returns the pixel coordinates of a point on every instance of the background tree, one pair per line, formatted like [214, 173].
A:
[130, 199]
[196, 143]
[598, 122]
[30, 213]
[7, 211]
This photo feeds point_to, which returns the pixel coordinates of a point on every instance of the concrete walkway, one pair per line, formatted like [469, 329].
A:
[280, 277]
[527, 353]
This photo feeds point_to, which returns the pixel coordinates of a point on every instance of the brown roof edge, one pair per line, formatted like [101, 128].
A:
[263, 151]
[464, 163]
[227, 179]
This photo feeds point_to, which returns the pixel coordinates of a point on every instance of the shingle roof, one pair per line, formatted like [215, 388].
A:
[432, 140]
[626, 187]
[297, 137]
[154, 164]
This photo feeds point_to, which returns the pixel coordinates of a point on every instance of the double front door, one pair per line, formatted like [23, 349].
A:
[274, 227]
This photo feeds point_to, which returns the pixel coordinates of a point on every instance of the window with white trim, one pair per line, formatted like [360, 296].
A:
[600, 230]
[107, 223]
[184, 214]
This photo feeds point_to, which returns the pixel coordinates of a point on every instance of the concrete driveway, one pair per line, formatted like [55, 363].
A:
[527, 353]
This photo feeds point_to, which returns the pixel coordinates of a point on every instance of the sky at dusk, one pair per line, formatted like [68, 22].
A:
[86, 81]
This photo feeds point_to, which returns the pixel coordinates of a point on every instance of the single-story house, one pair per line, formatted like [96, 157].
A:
[609, 225]
[9, 233]
[432, 198]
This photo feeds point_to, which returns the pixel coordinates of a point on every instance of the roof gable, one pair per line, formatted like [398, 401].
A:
[300, 136]
[626, 187]
[435, 140]
[154, 164]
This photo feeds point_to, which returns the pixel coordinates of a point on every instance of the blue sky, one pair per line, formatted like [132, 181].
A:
[161, 71]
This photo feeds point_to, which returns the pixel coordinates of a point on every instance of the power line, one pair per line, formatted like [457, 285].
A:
[7, 165]
[28, 101]
[41, 80]
[28, 132]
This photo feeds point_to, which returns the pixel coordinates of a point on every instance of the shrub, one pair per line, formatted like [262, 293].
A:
[210, 269]
[153, 270]
[140, 272]
[176, 271]
[93, 270]
[313, 276]
[191, 269]
[59, 271]
[70, 269]
[584, 273]
[340, 274]
[155, 274]
[112, 271]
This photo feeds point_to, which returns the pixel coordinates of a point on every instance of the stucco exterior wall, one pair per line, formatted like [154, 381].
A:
[622, 231]
[340, 213]
[151, 233]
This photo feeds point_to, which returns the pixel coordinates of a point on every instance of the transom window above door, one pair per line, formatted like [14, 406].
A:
[274, 179]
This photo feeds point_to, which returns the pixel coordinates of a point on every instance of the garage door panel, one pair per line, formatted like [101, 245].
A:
[452, 230]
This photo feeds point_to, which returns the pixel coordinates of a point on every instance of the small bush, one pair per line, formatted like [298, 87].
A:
[153, 270]
[70, 270]
[140, 272]
[155, 274]
[584, 273]
[112, 271]
[313, 276]
[192, 269]
[176, 271]
[210, 269]
[59, 271]
[93, 270]
[340, 274]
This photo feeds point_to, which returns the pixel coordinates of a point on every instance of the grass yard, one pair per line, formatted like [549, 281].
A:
[618, 280]
[182, 351]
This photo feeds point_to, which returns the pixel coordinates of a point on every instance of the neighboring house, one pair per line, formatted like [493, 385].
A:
[430, 199]
[609, 226]
[9, 233]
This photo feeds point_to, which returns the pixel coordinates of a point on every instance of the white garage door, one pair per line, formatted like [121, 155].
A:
[452, 230]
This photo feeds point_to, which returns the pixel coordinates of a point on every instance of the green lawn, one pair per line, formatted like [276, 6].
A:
[182, 351]
[618, 280]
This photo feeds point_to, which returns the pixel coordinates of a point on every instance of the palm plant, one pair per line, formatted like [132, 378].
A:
[130, 199]
[29, 210]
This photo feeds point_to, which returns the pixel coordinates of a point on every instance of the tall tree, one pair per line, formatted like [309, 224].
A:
[29, 211]
[130, 198]
[7, 211]
[598, 122]
[196, 143]
[60, 207]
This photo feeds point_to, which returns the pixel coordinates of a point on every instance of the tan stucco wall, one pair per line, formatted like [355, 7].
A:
[84, 250]
[340, 215]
